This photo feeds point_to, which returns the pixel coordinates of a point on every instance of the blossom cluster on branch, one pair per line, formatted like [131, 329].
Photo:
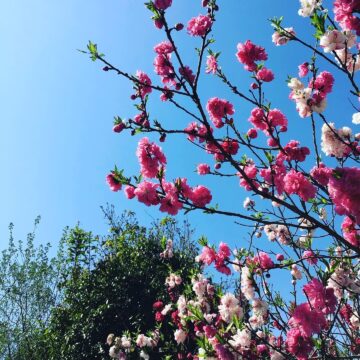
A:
[304, 199]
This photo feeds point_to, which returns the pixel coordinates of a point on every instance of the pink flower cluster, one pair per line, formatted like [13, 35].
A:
[335, 142]
[344, 191]
[350, 231]
[151, 158]
[114, 183]
[296, 183]
[307, 319]
[164, 48]
[321, 174]
[162, 4]
[265, 75]
[320, 297]
[248, 53]
[313, 97]
[292, 152]
[187, 74]
[211, 64]
[199, 26]
[168, 195]
[268, 121]
[218, 110]
[208, 256]
[203, 169]
[162, 63]
[262, 261]
[250, 171]
[298, 345]
[196, 131]
[345, 13]
[144, 87]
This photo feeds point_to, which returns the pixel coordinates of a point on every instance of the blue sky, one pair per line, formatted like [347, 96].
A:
[56, 143]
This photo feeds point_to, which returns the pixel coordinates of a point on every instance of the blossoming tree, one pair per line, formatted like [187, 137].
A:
[296, 194]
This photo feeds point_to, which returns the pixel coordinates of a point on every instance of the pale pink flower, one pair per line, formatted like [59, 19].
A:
[199, 26]
[283, 37]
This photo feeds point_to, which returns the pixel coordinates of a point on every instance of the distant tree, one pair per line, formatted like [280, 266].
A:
[110, 283]
[27, 293]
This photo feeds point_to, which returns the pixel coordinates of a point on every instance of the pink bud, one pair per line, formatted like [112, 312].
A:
[279, 257]
[179, 26]
[118, 127]
[158, 24]
[252, 133]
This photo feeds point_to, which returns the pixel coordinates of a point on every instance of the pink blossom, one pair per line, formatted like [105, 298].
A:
[279, 257]
[266, 122]
[129, 191]
[335, 142]
[332, 40]
[210, 331]
[275, 175]
[248, 54]
[211, 64]
[323, 83]
[224, 251]
[298, 345]
[145, 86]
[321, 298]
[203, 169]
[283, 37]
[187, 74]
[164, 68]
[146, 193]
[162, 4]
[199, 26]
[223, 353]
[183, 188]
[230, 146]
[170, 204]
[196, 131]
[113, 181]
[208, 255]
[158, 23]
[321, 174]
[345, 13]
[119, 127]
[200, 196]
[151, 158]
[219, 109]
[344, 191]
[263, 261]
[309, 321]
[252, 133]
[296, 183]
[292, 152]
[310, 257]
[350, 231]
[265, 75]
[303, 69]
[180, 336]
[164, 48]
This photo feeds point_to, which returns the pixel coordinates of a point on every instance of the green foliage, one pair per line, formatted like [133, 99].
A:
[27, 293]
[109, 284]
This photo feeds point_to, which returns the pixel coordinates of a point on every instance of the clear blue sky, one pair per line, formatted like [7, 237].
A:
[56, 143]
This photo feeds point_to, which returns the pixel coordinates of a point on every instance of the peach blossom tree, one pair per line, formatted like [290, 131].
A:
[304, 199]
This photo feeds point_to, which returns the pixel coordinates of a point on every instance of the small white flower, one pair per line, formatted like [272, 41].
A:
[356, 118]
